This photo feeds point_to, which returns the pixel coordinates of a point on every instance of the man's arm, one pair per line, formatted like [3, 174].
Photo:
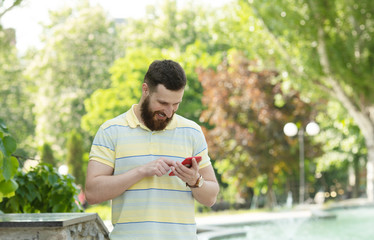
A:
[207, 193]
[102, 185]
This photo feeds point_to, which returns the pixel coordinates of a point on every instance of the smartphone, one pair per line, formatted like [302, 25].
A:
[188, 163]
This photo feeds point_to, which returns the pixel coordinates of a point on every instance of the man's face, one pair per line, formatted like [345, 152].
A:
[158, 107]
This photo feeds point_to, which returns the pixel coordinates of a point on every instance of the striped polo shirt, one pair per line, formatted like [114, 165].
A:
[155, 207]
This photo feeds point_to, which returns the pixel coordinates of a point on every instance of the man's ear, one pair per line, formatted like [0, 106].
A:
[145, 89]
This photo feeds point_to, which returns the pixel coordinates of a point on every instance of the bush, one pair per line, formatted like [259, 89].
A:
[8, 163]
[42, 190]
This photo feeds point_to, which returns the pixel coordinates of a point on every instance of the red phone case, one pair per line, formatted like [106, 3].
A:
[188, 163]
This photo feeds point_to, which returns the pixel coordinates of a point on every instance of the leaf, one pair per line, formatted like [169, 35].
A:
[1, 160]
[2, 148]
[8, 187]
[3, 127]
[10, 144]
[52, 179]
[32, 192]
[10, 165]
[15, 205]
[37, 193]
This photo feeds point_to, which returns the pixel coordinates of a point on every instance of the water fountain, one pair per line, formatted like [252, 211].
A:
[339, 223]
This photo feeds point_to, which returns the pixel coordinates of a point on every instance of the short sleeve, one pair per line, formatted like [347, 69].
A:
[201, 149]
[103, 148]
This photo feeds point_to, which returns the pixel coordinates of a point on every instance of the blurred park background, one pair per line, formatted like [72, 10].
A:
[252, 67]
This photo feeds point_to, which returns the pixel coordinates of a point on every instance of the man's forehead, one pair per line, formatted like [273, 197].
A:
[165, 95]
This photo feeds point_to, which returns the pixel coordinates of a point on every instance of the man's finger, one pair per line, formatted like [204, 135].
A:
[195, 165]
[168, 161]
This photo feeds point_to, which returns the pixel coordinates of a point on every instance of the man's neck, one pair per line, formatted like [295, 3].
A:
[137, 113]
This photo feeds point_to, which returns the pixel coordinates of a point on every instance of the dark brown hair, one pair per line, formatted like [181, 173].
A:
[165, 72]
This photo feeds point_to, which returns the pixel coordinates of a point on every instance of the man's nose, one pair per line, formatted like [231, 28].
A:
[169, 111]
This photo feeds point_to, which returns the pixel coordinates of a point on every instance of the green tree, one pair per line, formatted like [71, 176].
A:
[15, 101]
[74, 157]
[328, 44]
[79, 46]
[179, 33]
[345, 151]
[248, 109]
[169, 25]
[10, 88]
[47, 155]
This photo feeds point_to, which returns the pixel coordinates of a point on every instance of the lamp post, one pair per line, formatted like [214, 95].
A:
[290, 130]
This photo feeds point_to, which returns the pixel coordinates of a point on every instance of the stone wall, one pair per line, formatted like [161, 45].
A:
[75, 228]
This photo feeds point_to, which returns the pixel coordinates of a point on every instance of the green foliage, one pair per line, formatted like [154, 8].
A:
[10, 104]
[344, 148]
[42, 190]
[343, 140]
[169, 25]
[14, 101]
[75, 156]
[127, 77]
[104, 210]
[47, 155]
[195, 57]
[79, 47]
[8, 163]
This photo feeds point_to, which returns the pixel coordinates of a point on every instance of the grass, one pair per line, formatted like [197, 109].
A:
[229, 212]
[103, 210]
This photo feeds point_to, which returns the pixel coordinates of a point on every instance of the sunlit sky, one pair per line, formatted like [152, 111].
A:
[26, 18]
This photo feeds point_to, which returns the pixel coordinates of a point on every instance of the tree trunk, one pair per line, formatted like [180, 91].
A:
[270, 195]
[356, 169]
[370, 173]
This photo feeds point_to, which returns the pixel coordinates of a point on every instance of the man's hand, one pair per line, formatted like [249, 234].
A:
[188, 175]
[158, 167]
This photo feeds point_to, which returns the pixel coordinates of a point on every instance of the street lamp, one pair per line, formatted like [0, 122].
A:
[290, 130]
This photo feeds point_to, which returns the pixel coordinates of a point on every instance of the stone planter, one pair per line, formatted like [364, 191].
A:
[52, 226]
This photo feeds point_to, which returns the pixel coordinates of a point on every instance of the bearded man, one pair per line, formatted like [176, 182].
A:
[134, 154]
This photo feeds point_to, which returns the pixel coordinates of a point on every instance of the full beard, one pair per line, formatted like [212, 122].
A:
[150, 119]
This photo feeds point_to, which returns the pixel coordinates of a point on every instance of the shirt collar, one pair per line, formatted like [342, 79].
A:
[134, 122]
